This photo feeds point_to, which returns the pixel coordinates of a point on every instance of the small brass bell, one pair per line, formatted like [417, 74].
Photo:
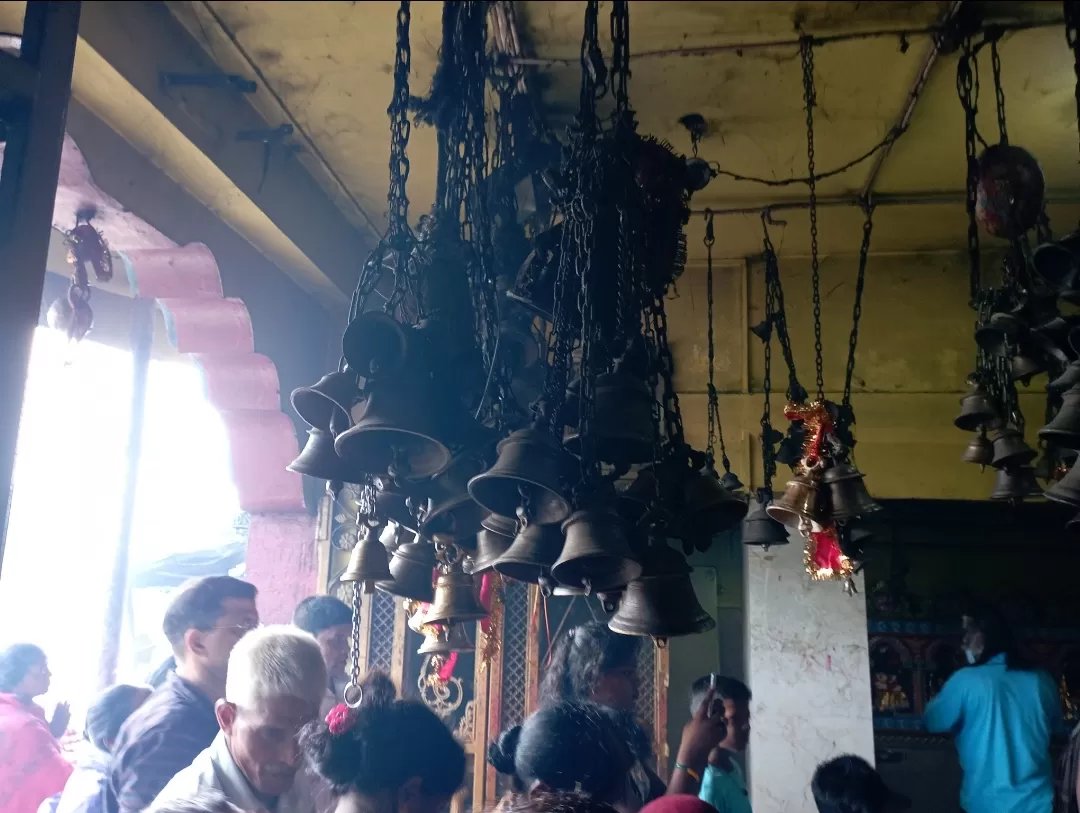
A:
[493, 541]
[368, 561]
[393, 536]
[595, 555]
[661, 603]
[1024, 368]
[789, 452]
[758, 528]
[374, 343]
[525, 476]
[1067, 489]
[532, 553]
[1010, 450]
[394, 503]
[455, 599]
[454, 514]
[392, 433]
[452, 638]
[798, 502]
[622, 429]
[333, 394]
[318, 459]
[1064, 428]
[1068, 379]
[847, 492]
[1015, 484]
[976, 409]
[731, 482]
[412, 570]
[709, 507]
[979, 451]
[997, 337]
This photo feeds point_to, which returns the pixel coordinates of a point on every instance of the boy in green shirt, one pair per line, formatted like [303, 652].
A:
[723, 784]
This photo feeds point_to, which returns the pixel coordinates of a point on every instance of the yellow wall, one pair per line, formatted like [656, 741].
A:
[915, 350]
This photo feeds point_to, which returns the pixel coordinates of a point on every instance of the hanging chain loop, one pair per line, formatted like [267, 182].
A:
[999, 92]
[716, 430]
[806, 49]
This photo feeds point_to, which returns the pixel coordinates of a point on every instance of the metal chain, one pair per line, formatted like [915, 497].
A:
[1072, 37]
[620, 56]
[967, 87]
[400, 126]
[806, 49]
[795, 391]
[354, 654]
[768, 456]
[999, 91]
[716, 430]
[856, 312]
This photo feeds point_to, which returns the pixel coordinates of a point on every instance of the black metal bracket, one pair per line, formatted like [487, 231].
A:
[213, 81]
[268, 137]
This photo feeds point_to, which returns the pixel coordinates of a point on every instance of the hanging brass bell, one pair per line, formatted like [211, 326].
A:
[453, 513]
[979, 451]
[1064, 428]
[1068, 379]
[526, 477]
[455, 599]
[1024, 368]
[393, 536]
[493, 541]
[392, 433]
[731, 482]
[1010, 450]
[1067, 489]
[452, 638]
[595, 554]
[621, 431]
[318, 459]
[530, 557]
[998, 336]
[847, 492]
[412, 570]
[396, 504]
[1015, 484]
[661, 603]
[374, 344]
[633, 501]
[758, 528]
[333, 394]
[798, 502]
[368, 561]
[709, 507]
[976, 409]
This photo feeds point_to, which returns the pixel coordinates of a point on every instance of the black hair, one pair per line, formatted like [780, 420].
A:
[158, 676]
[317, 613]
[560, 802]
[567, 747]
[848, 784]
[727, 688]
[198, 603]
[998, 636]
[15, 662]
[580, 659]
[378, 751]
[108, 712]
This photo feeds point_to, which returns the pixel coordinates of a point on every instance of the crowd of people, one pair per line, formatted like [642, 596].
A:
[251, 718]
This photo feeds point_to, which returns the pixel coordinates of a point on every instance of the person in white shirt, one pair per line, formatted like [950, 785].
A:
[275, 684]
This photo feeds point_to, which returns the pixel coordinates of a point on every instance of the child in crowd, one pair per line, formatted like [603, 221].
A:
[849, 784]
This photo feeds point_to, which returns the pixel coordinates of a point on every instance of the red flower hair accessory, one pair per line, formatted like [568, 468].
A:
[339, 719]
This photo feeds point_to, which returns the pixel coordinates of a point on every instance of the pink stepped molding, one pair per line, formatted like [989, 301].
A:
[242, 384]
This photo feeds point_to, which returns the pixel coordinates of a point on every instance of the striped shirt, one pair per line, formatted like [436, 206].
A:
[161, 738]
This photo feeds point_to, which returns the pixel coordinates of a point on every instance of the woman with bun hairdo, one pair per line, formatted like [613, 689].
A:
[387, 755]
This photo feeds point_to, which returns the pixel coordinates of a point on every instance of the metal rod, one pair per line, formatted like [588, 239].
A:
[34, 143]
[928, 199]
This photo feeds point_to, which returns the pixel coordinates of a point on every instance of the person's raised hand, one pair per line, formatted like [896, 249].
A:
[60, 719]
[701, 734]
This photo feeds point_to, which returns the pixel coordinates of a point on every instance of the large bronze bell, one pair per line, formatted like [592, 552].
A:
[453, 513]
[530, 557]
[374, 344]
[1015, 484]
[622, 429]
[798, 502]
[1010, 449]
[452, 638]
[709, 507]
[524, 479]
[368, 561]
[979, 451]
[847, 492]
[333, 395]
[455, 599]
[661, 603]
[976, 409]
[758, 528]
[493, 541]
[1067, 489]
[318, 459]
[411, 568]
[392, 433]
[595, 555]
[1064, 428]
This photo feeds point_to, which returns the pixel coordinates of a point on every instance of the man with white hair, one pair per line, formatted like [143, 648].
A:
[275, 682]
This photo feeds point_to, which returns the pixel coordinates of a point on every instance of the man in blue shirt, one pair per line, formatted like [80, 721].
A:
[1002, 713]
[723, 784]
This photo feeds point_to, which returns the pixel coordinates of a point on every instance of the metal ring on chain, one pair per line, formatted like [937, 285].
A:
[353, 695]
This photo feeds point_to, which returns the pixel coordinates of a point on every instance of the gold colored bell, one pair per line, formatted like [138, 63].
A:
[1015, 484]
[1010, 450]
[976, 409]
[455, 599]
[526, 477]
[392, 433]
[709, 507]
[368, 561]
[622, 429]
[532, 553]
[318, 459]
[493, 541]
[979, 451]
[1067, 489]
[595, 554]
[393, 536]
[452, 638]
[761, 530]
[412, 570]
[1064, 428]
[454, 514]
[798, 502]
[661, 603]
[333, 394]
[374, 344]
[847, 492]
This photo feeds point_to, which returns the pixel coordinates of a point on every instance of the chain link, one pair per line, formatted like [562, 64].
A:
[856, 311]
[806, 49]
[795, 391]
[999, 91]
[716, 429]
[967, 86]
[354, 654]
[400, 126]
[768, 456]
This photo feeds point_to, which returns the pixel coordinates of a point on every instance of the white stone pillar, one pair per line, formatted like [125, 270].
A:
[809, 670]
